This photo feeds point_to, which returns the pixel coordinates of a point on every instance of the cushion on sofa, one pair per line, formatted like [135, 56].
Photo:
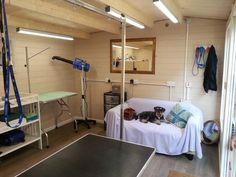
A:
[178, 116]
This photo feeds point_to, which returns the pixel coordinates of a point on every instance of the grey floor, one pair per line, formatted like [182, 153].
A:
[159, 166]
[205, 167]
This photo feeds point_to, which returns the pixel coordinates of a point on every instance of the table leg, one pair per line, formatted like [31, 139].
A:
[46, 136]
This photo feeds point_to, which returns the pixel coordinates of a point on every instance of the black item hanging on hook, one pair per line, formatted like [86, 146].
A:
[210, 82]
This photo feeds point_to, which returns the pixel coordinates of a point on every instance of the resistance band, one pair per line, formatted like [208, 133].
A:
[8, 71]
[3, 50]
[199, 62]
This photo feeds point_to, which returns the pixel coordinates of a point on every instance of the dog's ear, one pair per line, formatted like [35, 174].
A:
[159, 109]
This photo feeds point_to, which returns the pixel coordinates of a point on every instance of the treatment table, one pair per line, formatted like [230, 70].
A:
[64, 107]
[94, 156]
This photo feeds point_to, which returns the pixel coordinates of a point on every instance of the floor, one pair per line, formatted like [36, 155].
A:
[160, 165]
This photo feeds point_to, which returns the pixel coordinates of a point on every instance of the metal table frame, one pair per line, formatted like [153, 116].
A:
[57, 96]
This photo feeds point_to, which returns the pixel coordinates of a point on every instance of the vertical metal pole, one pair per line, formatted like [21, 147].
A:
[188, 20]
[170, 93]
[82, 94]
[27, 60]
[27, 66]
[123, 37]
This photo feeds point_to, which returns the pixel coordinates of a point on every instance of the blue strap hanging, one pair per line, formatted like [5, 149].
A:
[9, 73]
[199, 62]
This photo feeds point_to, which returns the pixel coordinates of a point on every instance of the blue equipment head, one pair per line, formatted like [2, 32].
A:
[77, 63]
[81, 65]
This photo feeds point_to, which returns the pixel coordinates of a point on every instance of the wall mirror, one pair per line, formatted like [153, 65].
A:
[139, 55]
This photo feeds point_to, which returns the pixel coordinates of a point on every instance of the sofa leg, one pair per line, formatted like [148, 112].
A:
[105, 126]
[189, 156]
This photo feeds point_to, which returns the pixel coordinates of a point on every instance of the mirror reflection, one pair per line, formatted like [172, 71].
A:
[139, 55]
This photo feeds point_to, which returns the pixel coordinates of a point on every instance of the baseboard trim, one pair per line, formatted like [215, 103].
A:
[67, 121]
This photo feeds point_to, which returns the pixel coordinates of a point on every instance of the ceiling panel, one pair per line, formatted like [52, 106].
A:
[48, 19]
[216, 9]
[31, 15]
[147, 7]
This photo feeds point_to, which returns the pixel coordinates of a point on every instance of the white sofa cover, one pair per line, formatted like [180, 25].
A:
[166, 138]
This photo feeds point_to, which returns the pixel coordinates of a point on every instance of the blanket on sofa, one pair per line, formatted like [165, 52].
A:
[166, 138]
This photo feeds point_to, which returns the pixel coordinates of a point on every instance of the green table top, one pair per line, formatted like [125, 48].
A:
[53, 96]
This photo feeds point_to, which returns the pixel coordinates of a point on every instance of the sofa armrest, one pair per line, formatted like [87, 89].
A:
[192, 133]
[193, 122]
[112, 120]
[197, 117]
[115, 111]
[193, 126]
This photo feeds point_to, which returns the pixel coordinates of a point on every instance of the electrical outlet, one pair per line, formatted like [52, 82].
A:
[131, 81]
[107, 80]
[136, 81]
[170, 83]
[188, 84]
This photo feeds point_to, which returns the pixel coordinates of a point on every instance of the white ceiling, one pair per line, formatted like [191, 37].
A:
[215, 9]
[67, 16]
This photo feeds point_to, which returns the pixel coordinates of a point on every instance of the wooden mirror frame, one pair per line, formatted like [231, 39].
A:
[153, 39]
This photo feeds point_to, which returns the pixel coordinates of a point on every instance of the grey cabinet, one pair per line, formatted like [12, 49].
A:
[110, 101]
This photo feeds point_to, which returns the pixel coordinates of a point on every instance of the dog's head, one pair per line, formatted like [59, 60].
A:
[159, 111]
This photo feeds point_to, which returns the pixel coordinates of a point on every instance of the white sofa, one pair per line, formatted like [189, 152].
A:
[166, 138]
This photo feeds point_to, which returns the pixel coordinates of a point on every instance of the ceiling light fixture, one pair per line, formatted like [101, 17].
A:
[43, 34]
[130, 47]
[129, 20]
[165, 10]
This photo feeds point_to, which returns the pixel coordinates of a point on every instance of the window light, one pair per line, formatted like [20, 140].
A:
[129, 20]
[43, 34]
[165, 10]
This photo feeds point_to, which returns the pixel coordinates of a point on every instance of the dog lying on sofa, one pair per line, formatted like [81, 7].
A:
[156, 116]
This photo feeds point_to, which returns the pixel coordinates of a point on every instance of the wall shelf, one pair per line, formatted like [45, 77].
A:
[32, 129]
[29, 139]
[4, 128]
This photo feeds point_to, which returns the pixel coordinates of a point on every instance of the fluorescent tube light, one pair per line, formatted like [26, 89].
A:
[43, 34]
[113, 12]
[134, 23]
[165, 10]
[130, 47]
[129, 20]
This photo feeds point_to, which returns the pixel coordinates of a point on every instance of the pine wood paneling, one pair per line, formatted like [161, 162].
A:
[48, 75]
[170, 53]
[45, 74]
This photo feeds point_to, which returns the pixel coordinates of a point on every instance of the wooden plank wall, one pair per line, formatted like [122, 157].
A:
[46, 75]
[170, 53]
[51, 76]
